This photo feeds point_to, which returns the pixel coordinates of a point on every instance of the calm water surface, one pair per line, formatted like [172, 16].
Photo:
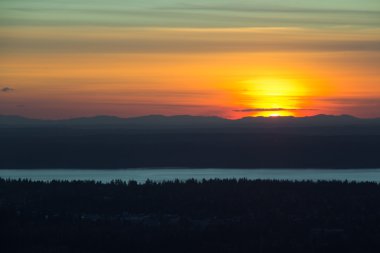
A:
[141, 175]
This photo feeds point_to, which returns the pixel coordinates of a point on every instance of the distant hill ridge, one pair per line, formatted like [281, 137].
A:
[189, 121]
[322, 141]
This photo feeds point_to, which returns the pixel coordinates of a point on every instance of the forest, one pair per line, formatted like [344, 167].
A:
[189, 216]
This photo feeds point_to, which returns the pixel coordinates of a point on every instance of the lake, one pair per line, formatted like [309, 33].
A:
[160, 174]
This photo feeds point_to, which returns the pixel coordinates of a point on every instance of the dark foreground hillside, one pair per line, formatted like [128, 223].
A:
[320, 141]
[208, 216]
[108, 148]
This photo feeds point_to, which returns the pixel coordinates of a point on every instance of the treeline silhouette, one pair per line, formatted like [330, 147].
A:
[191, 216]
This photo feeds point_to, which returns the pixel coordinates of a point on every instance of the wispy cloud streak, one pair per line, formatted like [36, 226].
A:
[271, 109]
[7, 89]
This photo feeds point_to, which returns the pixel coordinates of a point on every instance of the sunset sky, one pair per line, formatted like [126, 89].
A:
[71, 58]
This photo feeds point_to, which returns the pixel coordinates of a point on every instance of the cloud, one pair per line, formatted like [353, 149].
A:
[213, 42]
[270, 110]
[7, 89]
[201, 14]
[233, 7]
[351, 100]
[186, 40]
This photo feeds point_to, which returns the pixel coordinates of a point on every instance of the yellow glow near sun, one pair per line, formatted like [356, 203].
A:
[274, 93]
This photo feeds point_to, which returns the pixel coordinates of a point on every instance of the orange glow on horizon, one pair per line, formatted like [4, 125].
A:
[225, 85]
[282, 95]
[274, 114]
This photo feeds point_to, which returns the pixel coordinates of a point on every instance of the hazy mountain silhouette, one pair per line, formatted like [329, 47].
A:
[105, 120]
[321, 141]
[188, 121]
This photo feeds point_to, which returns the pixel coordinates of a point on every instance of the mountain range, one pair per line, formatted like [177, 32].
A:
[321, 141]
[187, 121]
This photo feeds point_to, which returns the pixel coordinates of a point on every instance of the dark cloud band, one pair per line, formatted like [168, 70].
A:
[7, 89]
[271, 110]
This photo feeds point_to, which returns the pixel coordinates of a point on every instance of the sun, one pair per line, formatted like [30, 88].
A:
[280, 94]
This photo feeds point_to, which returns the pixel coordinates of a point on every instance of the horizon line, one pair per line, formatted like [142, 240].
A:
[182, 115]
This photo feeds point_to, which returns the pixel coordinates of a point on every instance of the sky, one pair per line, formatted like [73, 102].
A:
[66, 58]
